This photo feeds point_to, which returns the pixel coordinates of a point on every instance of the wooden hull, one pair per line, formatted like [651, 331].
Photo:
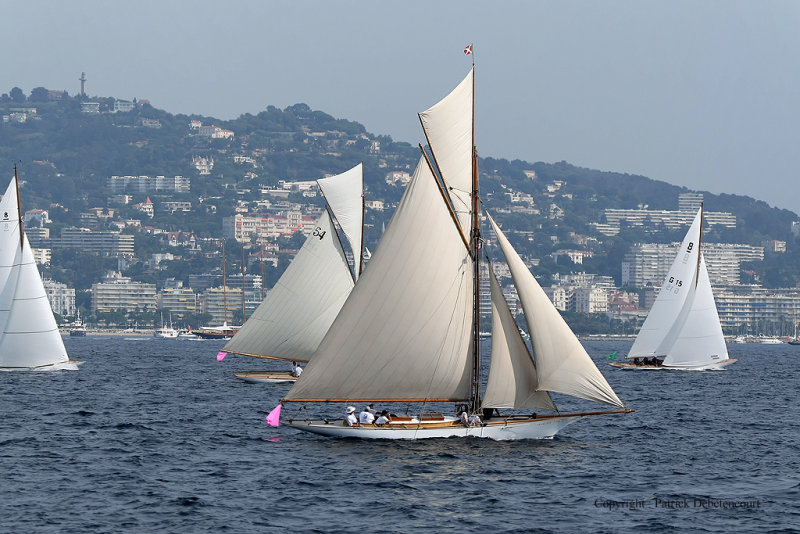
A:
[265, 376]
[716, 366]
[500, 429]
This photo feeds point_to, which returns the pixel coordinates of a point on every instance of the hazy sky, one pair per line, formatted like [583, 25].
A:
[704, 94]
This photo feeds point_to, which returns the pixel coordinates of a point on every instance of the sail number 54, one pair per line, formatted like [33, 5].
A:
[319, 232]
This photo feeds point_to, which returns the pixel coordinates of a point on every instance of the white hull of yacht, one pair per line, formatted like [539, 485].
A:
[71, 365]
[260, 377]
[500, 429]
[715, 366]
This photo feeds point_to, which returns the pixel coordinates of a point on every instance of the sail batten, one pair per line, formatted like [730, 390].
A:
[293, 318]
[562, 364]
[405, 331]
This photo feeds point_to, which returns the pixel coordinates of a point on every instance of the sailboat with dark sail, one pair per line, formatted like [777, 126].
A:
[297, 312]
[409, 331]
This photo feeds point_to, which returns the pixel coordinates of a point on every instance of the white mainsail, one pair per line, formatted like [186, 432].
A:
[345, 195]
[562, 364]
[448, 128]
[293, 318]
[675, 290]
[512, 378]
[405, 331]
[29, 336]
[699, 340]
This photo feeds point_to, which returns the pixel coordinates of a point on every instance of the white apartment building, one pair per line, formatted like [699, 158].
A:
[757, 310]
[61, 297]
[672, 220]
[220, 303]
[147, 184]
[648, 263]
[589, 300]
[180, 301]
[117, 292]
[267, 226]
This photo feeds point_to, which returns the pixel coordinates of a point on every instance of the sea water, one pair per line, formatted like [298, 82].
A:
[157, 436]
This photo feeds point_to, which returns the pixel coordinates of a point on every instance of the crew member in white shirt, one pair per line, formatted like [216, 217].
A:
[366, 417]
[350, 419]
[296, 369]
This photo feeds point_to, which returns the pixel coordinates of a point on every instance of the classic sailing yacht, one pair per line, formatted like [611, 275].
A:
[409, 332]
[295, 315]
[29, 336]
[682, 330]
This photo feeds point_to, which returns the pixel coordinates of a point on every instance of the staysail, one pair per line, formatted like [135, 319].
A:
[449, 130]
[512, 378]
[678, 285]
[404, 333]
[345, 195]
[562, 363]
[293, 318]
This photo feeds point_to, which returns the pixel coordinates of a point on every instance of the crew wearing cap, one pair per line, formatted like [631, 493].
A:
[350, 419]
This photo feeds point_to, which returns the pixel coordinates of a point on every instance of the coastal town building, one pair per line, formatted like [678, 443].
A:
[148, 184]
[648, 263]
[61, 297]
[119, 293]
[106, 243]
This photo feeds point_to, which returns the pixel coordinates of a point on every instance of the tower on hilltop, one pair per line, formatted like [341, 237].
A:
[83, 83]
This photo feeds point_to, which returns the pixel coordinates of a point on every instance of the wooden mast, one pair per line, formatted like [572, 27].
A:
[363, 217]
[224, 288]
[476, 310]
[262, 271]
[19, 208]
[244, 302]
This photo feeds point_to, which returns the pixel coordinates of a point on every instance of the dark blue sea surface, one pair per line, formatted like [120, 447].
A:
[157, 436]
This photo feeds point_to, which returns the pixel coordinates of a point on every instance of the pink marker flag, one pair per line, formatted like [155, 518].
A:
[274, 417]
[221, 355]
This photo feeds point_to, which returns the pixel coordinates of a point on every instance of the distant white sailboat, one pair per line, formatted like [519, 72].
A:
[409, 331]
[297, 312]
[29, 336]
[682, 330]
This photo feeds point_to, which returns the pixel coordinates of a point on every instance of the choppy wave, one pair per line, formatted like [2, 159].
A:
[160, 437]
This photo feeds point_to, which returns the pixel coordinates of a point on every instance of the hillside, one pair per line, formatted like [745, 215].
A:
[66, 157]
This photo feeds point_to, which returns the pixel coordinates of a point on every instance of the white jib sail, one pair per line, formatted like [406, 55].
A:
[345, 195]
[293, 318]
[512, 378]
[30, 336]
[448, 127]
[562, 363]
[405, 331]
[700, 340]
[677, 286]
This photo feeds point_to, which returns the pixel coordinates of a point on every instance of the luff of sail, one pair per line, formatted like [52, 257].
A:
[449, 130]
[345, 195]
[677, 285]
[562, 364]
[512, 378]
[404, 333]
[293, 318]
